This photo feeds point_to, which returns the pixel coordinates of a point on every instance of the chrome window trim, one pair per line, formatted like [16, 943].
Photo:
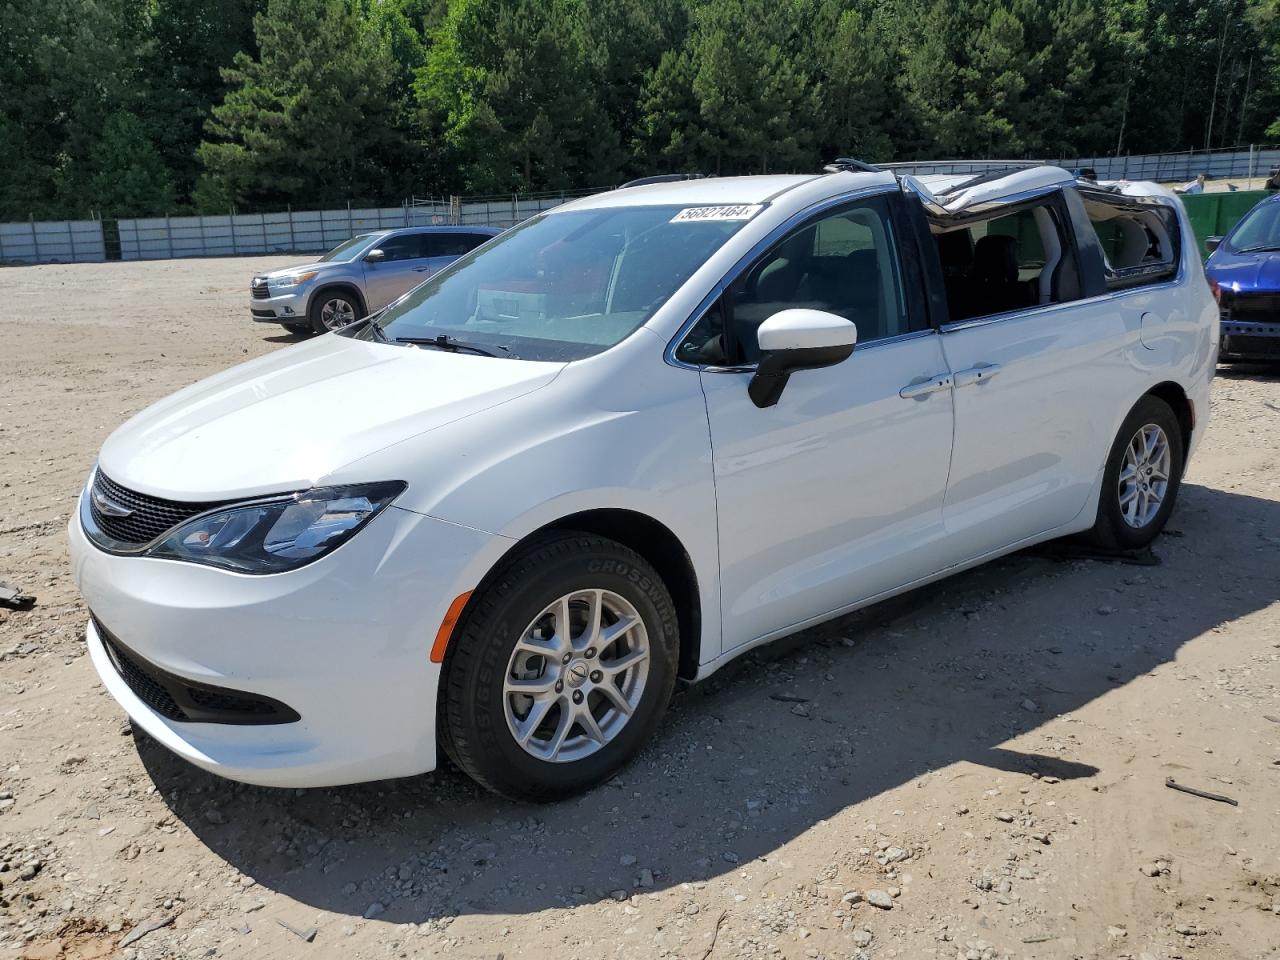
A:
[857, 350]
[732, 274]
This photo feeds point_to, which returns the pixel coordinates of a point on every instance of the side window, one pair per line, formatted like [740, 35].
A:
[448, 244]
[845, 262]
[405, 246]
[1141, 244]
[1010, 262]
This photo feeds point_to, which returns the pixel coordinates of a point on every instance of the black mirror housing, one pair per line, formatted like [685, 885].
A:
[776, 366]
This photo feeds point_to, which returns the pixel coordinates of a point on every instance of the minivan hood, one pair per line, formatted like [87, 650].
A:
[287, 420]
[1246, 272]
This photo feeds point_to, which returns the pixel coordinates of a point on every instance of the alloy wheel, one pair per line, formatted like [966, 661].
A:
[1144, 476]
[337, 313]
[576, 676]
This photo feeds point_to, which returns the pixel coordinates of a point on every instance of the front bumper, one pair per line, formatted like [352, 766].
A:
[345, 642]
[288, 307]
[1249, 340]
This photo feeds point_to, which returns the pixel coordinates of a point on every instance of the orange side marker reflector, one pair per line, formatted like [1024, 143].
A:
[446, 626]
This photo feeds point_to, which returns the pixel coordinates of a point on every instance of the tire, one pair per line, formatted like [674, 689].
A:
[333, 309]
[298, 329]
[510, 634]
[1133, 524]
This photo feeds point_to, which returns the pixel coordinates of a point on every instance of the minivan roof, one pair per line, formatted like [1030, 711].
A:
[711, 191]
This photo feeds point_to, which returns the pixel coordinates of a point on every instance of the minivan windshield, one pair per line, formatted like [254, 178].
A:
[561, 286]
[1258, 230]
[349, 249]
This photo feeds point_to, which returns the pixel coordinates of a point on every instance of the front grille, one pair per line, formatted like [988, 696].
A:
[1252, 307]
[188, 701]
[148, 516]
[259, 290]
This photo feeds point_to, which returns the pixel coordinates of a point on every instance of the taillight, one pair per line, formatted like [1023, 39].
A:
[1216, 288]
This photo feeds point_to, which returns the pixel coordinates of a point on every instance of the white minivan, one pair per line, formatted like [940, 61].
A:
[625, 442]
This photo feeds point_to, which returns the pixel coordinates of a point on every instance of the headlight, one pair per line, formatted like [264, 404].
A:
[276, 535]
[293, 279]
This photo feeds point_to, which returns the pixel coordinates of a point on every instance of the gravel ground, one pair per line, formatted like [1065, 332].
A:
[975, 770]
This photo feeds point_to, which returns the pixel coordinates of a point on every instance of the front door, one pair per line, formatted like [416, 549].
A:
[834, 494]
[403, 266]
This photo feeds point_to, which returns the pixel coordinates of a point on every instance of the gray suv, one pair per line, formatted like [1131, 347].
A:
[358, 276]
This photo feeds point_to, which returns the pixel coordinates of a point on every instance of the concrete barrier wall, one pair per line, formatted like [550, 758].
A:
[61, 241]
[313, 231]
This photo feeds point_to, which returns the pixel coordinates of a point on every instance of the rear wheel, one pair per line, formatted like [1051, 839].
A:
[1142, 477]
[560, 669]
[333, 309]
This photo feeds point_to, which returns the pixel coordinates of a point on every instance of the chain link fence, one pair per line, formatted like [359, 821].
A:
[1235, 163]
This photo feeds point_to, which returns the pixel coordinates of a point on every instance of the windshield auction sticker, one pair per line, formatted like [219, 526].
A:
[743, 211]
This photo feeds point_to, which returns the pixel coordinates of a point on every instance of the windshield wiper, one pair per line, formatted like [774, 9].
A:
[376, 330]
[452, 344]
[1260, 248]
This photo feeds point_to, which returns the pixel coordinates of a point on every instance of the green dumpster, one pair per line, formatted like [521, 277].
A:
[1213, 214]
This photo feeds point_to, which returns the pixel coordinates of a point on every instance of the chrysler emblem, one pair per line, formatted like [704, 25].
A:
[107, 506]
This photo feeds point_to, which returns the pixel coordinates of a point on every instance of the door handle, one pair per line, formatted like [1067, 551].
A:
[920, 389]
[979, 374]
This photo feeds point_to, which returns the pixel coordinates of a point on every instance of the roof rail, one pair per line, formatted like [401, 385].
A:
[664, 178]
[996, 163]
[841, 164]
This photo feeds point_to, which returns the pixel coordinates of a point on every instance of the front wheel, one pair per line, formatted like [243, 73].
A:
[560, 670]
[1142, 477]
[333, 310]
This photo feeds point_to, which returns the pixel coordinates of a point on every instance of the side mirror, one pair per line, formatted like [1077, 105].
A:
[792, 340]
[375, 255]
[1212, 243]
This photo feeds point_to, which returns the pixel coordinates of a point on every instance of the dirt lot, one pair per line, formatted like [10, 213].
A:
[986, 757]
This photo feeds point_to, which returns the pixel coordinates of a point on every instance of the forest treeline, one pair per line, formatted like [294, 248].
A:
[154, 106]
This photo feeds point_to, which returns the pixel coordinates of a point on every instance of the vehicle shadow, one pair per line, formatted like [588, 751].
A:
[1258, 371]
[945, 674]
[286, 337]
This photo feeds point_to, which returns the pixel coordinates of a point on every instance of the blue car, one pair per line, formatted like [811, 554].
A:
[1244, 272]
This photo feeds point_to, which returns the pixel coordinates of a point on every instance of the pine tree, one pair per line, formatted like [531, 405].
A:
[861, 114]
[187, 43]
[310, 121]
[130, 176]
[512, 90]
